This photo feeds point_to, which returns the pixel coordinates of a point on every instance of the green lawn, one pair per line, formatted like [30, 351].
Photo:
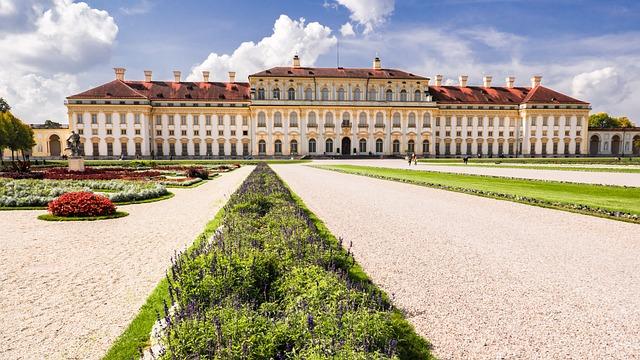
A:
[563, 167]
[612, 198]
[89, 162]
[559, 160]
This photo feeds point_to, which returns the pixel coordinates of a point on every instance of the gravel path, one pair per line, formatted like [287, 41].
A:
[483, 278]
[605, 178]
[68, 289]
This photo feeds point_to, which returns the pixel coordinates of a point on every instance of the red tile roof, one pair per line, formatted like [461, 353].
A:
[361, 73]
[541, 94]
[168, 90]
[499, 95]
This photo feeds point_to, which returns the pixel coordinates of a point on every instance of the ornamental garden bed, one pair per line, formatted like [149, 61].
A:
[81, 206]
[272, 282]
[30, 193]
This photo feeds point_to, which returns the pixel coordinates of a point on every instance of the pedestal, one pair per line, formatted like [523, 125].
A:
[76, 163]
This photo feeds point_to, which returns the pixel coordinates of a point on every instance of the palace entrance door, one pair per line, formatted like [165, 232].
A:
[346, 146]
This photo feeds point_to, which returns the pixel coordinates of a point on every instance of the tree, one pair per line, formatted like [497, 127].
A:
[49, 124]
[602, 120]
[3, 136]
[18, 135]
[4, 106]
[624, 122]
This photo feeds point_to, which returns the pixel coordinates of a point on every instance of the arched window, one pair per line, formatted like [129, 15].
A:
[345, 119]
[356, 94]
[411, 146]
[328, 146]
[425, 146]
[426, 120]
[276, 93]
[379, 119]
[324, 94]
[379, 147]
[403, 95]
[389, 95]
[328, 118]
[396, 119]
[293, 119]
[363, 118]
[312, 145]
[277, 119]
[373, 95]
[412, 120]
[311, 118]
[341, 94]
[396, 146]
[262, 119]
[308, 94]
[363, 145]
[293, 147]
[291, 94]
[261, 94]
[262, 147]
[416, 95]
[277, 147]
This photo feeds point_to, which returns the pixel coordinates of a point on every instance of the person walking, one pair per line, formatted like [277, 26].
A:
[409, 157]
[466, 159]
[415, 159]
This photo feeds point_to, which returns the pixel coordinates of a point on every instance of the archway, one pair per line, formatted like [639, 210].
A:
[594, 145]
[54, 145]
[636, 145]
[615, 145]
[346, 146]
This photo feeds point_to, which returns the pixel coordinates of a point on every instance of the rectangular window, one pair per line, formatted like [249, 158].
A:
[80, 132]
[158, 120]
[555, 148]
[185, 149]
[183, 132]
[196, 132]
[447, 148]
[245, 149]
[220, 149]
[109, 132]
[468, 148]
[138, 149]
[479, 148]
[196, 149]
[245, 121]
[94, 131]
[159, 150]
[158, 132]
[79, 118]
[123, 149]
[109, 149]
[171, 132]
[234, 149]
[220, 132]
[208, 132]
[209, 149]
[207, 120]
[233, 121]
[136, 119]
[532, 150]
[96, 149]
[183, 120]
[233, 133]
[458, 148]
[171, 120]
[137, 131]
[220, 120]
[196, 120]
[363, 146]
[172, 149]
[94, 119]
[245, 132]
[108, 120]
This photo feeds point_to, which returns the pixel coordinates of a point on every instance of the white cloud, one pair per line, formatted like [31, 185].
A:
[142, 7]
[347, 30]
[369, 13]
[7, 7]
[289, 37]
[58, 39]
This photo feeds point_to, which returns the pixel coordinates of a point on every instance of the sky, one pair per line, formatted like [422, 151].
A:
[51, 49]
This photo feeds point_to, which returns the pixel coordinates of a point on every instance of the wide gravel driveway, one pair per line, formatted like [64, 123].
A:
[604, 178]
[483, 278]
[68, 289]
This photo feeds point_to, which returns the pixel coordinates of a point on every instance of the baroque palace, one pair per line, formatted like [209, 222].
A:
[296, 110]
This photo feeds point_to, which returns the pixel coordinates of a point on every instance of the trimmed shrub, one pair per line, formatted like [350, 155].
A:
[81, 204]
[194, 172]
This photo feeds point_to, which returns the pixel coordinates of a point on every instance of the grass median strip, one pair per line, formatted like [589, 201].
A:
[617, 202]
[548, 160]
[616, 169]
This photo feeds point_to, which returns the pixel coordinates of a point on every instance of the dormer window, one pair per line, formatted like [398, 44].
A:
[403, 95]
[416, 95]
[308, 94]
[291, 94]
[356, 94]
[276, 94]
[389, 95]
[341, 94]
[261, 94]
[324, 94]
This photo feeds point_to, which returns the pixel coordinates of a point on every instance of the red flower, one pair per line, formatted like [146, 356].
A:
[81, 204]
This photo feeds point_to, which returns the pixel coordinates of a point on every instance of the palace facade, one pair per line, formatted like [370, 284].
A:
[296, 110]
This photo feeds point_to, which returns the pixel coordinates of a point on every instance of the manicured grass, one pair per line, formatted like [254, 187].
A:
[558, 160]
[545, 193]
[176, 162]
[50, 217]
[612, 168]
[137, 333]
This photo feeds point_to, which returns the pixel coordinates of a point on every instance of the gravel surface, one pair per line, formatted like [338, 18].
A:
[70, 288]
[483, 278]
[605, 178]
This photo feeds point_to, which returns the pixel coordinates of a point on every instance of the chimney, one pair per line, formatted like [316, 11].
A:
[486, 80]
[510, 80]
[463, 80]
[205, 76]
[232, 76]
[147, 75]
[376, 64]
[438, 81]
[536, 80]
[176, 75]
[296, 61]
[120, 73]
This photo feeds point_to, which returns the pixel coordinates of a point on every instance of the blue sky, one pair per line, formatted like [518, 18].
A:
[54, 48]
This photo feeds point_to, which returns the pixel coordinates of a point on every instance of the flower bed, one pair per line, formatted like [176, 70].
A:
[32, 193]
[270, 284]
[81, 204]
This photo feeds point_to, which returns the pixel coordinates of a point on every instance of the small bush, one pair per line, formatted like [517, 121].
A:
[81, 204]
[194, 172]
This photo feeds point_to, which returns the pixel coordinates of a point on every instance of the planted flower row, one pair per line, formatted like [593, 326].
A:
[26, 193]
[270, 284]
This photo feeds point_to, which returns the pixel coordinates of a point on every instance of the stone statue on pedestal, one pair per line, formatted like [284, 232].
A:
[73, 143]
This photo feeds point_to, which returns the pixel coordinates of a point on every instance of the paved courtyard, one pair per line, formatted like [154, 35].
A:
[70, 288]
[605, 178]
[484, 278]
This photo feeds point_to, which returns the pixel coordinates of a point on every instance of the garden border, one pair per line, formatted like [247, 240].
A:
[50, 217]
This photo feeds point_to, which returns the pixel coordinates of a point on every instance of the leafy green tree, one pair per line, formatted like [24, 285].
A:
[3, 136]
[624, 122]
[18, 135]
[602, 120]
[4, 106]
[49, 124]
